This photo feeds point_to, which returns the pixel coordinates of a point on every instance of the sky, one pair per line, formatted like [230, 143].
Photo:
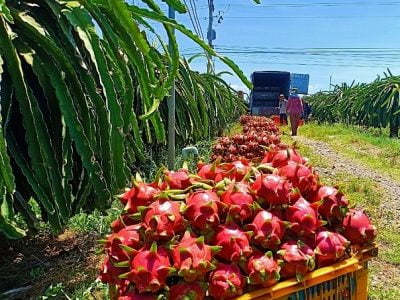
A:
[333, 41]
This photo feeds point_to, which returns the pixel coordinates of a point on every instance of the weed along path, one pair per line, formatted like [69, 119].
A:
[339, 163]
[381, 195]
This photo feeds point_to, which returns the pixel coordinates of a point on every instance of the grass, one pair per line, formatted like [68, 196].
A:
[366, 194]
[372, 147]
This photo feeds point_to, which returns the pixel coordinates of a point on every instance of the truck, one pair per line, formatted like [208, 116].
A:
[268, 85]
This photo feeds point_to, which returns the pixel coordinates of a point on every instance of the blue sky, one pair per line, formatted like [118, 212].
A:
[348, 40]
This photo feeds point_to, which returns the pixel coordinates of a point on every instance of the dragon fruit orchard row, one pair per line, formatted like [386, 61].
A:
[230, 228]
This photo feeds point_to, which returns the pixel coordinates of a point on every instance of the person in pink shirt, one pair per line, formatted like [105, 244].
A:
[294, 109]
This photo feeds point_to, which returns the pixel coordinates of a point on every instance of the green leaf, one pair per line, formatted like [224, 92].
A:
[176, 5]
[5, 11]
[9, 230]
[151, 15]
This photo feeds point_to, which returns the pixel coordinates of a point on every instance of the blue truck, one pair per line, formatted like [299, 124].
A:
[268, 85]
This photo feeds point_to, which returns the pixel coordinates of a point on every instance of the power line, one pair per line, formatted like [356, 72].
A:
[306, 17]
[317, 64]
[309, 17]
[194, 7]
[317, 4]
[318, 56]
[194, 23]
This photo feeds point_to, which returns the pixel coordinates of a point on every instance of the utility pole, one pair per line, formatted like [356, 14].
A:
[171, 111]
[330, 82]
[211, 32]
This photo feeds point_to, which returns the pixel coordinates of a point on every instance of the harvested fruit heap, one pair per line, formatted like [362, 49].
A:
[231, 228]
[259, 134]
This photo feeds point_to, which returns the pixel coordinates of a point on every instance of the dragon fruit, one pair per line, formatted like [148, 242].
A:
[301, 177]
[238, 201]
[234, 242]
[187, 291]
[134, 296]
[297, 259]
[238, 169]
[202, 210]
[334, 204]
[226, 282]
[192, 258]
[150, 269]
[268, 230]
[162, 219]
[262, 269]
[303, 217]
[330, 248]
[273, 189]
[177, 180]
[122, 221]
[141, 194]
[281, 158]
[110, 273]
[357, 228]
[211, 171]
[120, 246]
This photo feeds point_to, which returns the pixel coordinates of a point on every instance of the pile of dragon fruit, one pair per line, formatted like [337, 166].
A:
[229, 229]
[258, 123]
[250, 145]
[259, 133]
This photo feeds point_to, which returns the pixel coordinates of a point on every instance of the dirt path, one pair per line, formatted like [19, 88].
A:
[340, 164]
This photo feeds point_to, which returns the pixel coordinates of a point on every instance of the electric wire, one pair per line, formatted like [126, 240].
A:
[308, 4]
[190, 12]
[193, 6]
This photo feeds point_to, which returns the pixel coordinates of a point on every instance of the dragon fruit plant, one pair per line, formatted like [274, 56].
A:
[232, 227]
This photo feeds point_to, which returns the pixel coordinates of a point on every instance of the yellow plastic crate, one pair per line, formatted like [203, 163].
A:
[346, 280]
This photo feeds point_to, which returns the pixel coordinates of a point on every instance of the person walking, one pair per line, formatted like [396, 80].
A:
[307, 111]
[294, 109]
[282, 110]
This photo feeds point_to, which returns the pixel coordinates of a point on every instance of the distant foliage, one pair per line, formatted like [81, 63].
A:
[375, 104]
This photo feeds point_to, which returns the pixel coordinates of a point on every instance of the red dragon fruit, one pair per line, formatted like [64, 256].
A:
[330, 248]
[239, 202]
[211, 171]
[202, 210]
[142, 194]
[357, 228]
[268, 230]
[120, 246]
[134, 296]
[162, 219]
[301, 177]
[226, 282]
[177, 179]
[273, 189]
[334, 204]
[297, 259]
[110, 273]
[262, 269]
[238, 169]
[303, 217]
[150, 269]
[234, 242]
[122, 221]
[192, 258]
[282, 157]
[187, 291]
